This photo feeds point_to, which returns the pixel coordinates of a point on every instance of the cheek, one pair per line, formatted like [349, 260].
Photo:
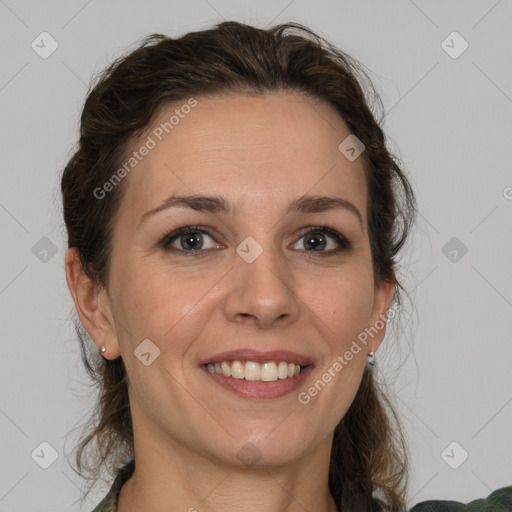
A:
[343, 302]
[163, 304]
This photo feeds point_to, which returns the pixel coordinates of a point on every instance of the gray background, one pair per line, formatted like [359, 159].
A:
[449, 119]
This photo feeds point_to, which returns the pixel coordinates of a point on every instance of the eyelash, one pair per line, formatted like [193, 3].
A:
[344, 243]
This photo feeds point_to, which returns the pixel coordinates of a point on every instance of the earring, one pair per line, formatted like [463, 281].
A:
[103, 349]
[370, 362]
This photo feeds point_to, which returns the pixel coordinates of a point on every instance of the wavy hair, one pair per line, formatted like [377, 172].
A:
[369, 461]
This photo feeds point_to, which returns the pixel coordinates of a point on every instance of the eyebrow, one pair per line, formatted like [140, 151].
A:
[217, 204]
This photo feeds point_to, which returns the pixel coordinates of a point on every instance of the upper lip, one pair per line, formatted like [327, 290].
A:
[258, 357]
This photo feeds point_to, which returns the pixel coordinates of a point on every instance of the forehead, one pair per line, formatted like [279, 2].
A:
[247, 148]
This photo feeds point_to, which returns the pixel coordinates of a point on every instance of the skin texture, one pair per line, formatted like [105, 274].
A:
[260, 153]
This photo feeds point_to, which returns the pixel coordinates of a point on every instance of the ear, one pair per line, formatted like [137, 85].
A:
[92, 305]
[383, 297]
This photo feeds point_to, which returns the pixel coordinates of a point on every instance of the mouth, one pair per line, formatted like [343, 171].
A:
[257, 375]
[270, 371]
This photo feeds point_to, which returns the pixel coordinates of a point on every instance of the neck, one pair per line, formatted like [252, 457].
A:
[175, 478]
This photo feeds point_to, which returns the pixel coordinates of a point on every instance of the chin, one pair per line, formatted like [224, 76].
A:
[267, 449]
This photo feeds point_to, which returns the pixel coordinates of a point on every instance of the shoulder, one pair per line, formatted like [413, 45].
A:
[106, 505]
[109, 502]
[498, 501]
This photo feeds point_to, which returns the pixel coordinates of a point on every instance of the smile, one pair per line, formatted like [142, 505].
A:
[253, 371]
[258, 381]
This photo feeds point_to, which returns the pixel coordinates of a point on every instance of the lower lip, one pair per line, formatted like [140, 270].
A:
[259, 389]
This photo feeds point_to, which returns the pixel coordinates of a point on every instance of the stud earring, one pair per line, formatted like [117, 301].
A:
[103, 349]
[370, 362]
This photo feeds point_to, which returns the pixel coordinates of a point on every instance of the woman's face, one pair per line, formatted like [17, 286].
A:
[254, 277]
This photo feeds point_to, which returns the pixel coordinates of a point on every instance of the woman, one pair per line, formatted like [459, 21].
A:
[233, 218]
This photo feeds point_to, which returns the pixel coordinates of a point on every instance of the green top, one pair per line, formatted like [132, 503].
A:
[498, 501]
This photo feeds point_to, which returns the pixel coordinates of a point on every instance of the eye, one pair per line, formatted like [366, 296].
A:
[190, 239]
[316, 239]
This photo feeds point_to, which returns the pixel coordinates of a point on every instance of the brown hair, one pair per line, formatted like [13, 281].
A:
[369, 461]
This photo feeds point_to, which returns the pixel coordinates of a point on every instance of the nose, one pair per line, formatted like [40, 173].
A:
[262, 292]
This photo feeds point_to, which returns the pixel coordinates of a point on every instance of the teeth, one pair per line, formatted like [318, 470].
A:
[252, 371]
[269, 372]
[226, 370]
[282, 370]
[237, 370]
